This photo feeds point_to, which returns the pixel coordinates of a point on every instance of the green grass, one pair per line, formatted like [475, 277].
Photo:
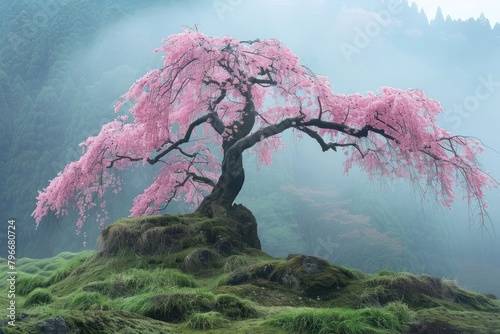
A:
[234, 307]
[126, 292]
[38, 296]
[68, 268]
[144, 293]
[27, 283]
[171, 308]
[136, 281]
[88, 301]
[205, 321]
[235, 262]
[344, 321]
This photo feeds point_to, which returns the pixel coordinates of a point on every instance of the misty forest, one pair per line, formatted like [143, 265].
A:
[248, 166]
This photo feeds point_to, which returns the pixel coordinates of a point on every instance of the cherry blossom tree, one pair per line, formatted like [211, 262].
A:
[215, 98]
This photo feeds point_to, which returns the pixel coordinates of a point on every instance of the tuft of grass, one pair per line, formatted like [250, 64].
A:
[66, 270]
[235, 262]
[27, 283]
[88, 301]
[233, 307]
[378, 318]
[302, 320]
[343, 321]
[178, 307]
[171, 308]
[205, 321]
[371, 295]
[139, 281]
[402, 312]
[38, 296]
[31, 268]
[199, 259]
[51, 266]
[164, 277]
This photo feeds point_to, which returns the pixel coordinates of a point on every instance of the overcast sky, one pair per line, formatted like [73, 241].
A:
[463, 9]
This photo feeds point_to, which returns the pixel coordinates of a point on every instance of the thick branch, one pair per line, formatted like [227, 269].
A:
[314, 135]
[266, 132]
[363, 132]
[326, 146]
[183, 140]
[262, 82]
[201, 179]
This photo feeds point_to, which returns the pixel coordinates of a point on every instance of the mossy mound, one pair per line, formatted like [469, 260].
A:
[422, 291]
[195, 282]
[177, 307]
[310, 276]
[164, 234]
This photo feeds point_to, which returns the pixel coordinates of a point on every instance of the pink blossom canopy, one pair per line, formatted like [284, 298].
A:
[217, 97]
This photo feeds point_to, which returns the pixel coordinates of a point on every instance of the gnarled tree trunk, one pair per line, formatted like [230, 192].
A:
[228, 186]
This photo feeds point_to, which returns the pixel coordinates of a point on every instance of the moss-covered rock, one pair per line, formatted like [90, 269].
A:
[423, 291]
[164, 234]
[310, 276]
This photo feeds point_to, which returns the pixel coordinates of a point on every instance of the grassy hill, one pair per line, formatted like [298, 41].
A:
[193, 274]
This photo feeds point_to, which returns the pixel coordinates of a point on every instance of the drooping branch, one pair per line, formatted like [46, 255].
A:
[215, 122]
[229, 85]
[170, 82]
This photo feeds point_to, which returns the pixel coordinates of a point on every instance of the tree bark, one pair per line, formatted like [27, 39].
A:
[228, 186]
[232, 173]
